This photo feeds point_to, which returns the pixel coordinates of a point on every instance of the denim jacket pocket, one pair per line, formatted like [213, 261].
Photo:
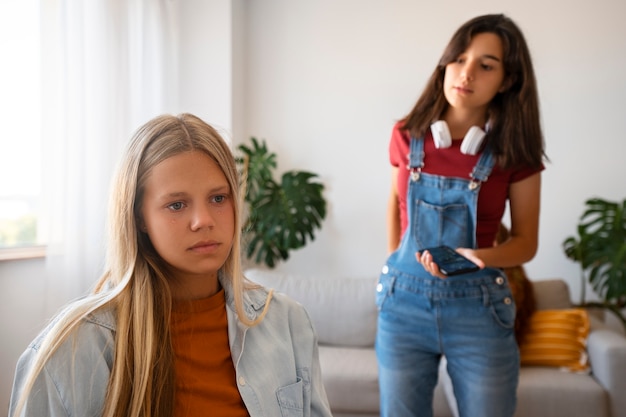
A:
[293, 397]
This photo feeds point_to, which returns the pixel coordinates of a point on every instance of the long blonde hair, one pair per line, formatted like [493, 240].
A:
[135, 282]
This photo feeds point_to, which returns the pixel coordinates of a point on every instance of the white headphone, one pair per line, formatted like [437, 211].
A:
[471, 142]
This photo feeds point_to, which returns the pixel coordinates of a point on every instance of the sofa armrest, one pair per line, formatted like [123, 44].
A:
[607, 354]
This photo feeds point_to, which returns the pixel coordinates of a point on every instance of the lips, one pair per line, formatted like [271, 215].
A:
[204, 246]
[463, 90]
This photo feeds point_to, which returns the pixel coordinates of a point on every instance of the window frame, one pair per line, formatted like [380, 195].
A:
[25, 252]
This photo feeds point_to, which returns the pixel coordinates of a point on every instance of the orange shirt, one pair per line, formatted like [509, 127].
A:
[205, 374]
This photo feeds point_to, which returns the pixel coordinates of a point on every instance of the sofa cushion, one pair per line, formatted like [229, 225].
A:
[547, 391]
[350, 377]
[343, 310]
[557, 338]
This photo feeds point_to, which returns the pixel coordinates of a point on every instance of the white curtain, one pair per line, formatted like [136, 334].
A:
[109, 66]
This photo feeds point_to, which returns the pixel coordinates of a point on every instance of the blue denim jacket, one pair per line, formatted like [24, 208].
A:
[276, 364]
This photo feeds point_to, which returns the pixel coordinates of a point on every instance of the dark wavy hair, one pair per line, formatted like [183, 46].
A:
[515, 130]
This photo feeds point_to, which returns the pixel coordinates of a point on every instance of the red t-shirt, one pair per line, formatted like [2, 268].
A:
[450, 162]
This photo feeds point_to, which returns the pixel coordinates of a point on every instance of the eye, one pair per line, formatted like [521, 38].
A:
[486, 67]
[220, 198]
[177, 206]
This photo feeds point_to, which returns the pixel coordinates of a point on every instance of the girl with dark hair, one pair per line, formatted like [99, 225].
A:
[472, 142]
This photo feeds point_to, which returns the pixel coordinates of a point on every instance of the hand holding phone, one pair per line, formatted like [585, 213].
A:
[449, 261]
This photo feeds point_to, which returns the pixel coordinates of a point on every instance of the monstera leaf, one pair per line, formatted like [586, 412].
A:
[601, 251]
[282, 216]
[258, 164]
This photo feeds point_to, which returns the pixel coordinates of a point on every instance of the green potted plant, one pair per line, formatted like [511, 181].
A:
[600, 248]
[281, 216]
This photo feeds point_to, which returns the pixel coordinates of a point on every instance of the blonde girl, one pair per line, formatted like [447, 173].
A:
[172, 327]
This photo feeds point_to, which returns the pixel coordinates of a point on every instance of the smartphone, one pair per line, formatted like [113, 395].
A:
[451, 262]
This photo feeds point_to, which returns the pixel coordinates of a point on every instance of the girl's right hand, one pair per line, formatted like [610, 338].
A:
[426, 259]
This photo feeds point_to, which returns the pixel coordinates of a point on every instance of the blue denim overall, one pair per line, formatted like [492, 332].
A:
[468, 318]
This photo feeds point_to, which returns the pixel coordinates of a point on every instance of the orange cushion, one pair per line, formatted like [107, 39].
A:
[557, 338]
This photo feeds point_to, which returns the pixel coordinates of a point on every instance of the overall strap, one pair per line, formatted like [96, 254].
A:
[416, 158]
[485, 165]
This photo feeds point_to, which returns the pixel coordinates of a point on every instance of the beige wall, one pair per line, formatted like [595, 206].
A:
[22, 286]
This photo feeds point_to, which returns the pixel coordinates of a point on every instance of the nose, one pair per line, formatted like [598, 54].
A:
[467, 72]
[202, 217]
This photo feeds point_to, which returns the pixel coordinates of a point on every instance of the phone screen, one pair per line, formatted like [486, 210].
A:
[451, 262]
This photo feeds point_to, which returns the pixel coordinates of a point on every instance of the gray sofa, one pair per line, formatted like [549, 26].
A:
[344, 314]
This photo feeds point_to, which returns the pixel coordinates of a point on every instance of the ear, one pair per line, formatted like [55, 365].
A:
[141, 225]
[506, 84]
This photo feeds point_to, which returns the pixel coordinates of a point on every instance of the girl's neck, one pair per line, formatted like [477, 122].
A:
[194, 287]
[459, 121]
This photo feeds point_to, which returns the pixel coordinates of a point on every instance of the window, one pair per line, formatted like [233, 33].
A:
[20, 118]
